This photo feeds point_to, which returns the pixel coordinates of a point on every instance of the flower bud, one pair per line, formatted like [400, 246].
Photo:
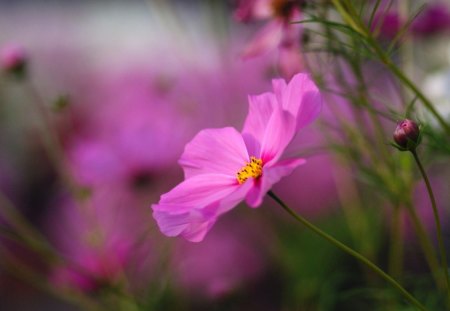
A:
[407, 135]
[13, 59]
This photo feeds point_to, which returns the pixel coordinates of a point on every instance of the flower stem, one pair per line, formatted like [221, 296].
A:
[14, 267]
[396, 245]
[50, 140]
[349, 251]
[427, 248]
[29, 235]
[436, 219]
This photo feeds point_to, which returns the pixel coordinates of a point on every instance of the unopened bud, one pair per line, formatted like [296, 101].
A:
[407, 135]
[13, 59]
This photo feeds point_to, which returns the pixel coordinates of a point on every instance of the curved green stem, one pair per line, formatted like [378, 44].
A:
[396, 246]
[427, 248]
[26, 232]
[436, 219]
[351, 252]
[22, 271]
[51, 141]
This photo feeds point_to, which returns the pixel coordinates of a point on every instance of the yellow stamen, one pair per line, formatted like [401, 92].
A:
[250, 169]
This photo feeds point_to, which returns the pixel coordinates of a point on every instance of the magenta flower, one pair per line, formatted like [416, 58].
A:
[435, 19]
[223, 167]
[232, 257]
[387, 24]
[278, 32]
[90, 269]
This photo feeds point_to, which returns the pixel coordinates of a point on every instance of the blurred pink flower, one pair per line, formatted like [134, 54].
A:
[103, 236]
[319, 196]
[115, 154]
[231, 257]
[387, 24]
[279, 32]
[434, 19]
[117, 125]
[12, 57]
[223, 167]
[87, 271]
[100, 238]
[124, 111]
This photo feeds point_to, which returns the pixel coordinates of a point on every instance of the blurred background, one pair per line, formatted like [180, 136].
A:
[106, 94]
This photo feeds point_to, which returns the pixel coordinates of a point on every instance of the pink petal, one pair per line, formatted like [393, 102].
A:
[260, 110]
[271, 175]
[289, 60]
[279, 132]
[191, 225]
[195, 221]
[248, 10]
[289, 50]
[265, 40]
[221, 151]
[301, 97]
[197, 192]
[279, 85]
[244, 11]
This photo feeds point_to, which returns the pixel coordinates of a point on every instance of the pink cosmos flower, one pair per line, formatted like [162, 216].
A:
[223, 167]
[435, 19]
[232, 257]
[278, 32]
[89, 269]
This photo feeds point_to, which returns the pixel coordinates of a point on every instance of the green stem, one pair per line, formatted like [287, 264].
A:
[396, 247]
[29, 235]
[17, 269]
[51, 141]
[427, 248]
[349, 251]
[436, 219]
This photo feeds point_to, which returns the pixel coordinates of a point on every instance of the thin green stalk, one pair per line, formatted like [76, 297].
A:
[372, 14]
[427, 248]
[436, 219]
[351, 252]
[51, 142]
[351, 203]
[346, 16]
[29, 235]
[396, 245]
[55, 153]
[16, 268]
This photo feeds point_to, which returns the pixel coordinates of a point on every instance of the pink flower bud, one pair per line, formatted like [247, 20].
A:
[12, 57]
[407, 134]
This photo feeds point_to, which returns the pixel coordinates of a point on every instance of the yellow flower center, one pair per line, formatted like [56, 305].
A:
[250, 169]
